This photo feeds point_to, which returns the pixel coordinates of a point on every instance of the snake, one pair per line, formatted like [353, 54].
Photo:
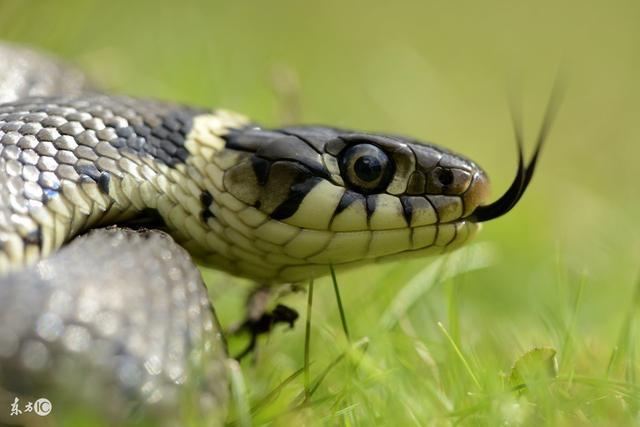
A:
[91, 311]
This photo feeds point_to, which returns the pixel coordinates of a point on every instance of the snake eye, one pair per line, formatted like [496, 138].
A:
[365, 167]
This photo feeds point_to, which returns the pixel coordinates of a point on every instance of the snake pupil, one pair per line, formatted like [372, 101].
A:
[367, 168]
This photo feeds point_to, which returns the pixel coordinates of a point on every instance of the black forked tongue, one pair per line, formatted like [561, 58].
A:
[524, 173]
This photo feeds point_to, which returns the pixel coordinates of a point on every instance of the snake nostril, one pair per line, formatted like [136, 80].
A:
[445, 176]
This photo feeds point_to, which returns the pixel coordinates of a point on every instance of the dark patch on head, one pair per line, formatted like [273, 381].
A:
[371, 205]
[273, 146]
[249, 138]
[292, 148]
[315, 136]
[261, 169]
[103, 182]
[407, 209]
[206, 199]
[297, 193]
[347, 199]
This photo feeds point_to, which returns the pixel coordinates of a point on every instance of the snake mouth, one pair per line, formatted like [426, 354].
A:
[516, 190]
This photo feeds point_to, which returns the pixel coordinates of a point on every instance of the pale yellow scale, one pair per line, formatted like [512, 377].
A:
[353, 217]
[446, 233]
[423, 236]
[231, 218]
[423, 212]
[268, 247]
[449, 207]
[277, 232]
[307, 243]
[387, 214]
[252, 217]
[386, 242]
[316, 210]
[344, 247]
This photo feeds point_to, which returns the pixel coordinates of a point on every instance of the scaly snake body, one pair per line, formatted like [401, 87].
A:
[273, 205]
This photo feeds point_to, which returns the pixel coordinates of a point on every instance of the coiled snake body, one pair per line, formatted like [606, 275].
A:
[128, 308]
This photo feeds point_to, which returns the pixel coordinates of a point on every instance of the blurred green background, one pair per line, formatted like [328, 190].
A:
[564, 261]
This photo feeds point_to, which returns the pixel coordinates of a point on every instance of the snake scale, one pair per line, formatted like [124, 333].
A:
[121, 317]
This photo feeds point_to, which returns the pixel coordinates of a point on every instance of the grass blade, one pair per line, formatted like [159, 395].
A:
[336, 289]
[239, 394]
[460, 355]
[273, 393]
[307, 340]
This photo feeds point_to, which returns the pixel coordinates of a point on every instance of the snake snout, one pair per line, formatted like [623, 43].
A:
[477, 194]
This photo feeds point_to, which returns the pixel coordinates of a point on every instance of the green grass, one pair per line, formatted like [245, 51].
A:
[409, 368]
[550, 288]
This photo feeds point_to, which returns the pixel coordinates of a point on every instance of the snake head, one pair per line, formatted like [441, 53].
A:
[314, 196]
